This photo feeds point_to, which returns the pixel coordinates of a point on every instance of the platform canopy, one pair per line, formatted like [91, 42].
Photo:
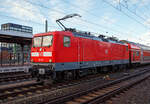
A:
[15, 37]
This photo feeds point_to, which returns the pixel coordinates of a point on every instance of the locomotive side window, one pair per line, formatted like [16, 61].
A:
[66, 41]
[47, 40]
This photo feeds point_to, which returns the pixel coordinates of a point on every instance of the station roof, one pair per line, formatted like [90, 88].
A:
[15, 37]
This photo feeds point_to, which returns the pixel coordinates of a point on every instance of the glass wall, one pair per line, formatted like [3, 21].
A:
[16, 27]
[12, 54]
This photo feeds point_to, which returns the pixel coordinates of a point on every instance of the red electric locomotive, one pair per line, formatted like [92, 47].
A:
[71, 53]
[62, 51]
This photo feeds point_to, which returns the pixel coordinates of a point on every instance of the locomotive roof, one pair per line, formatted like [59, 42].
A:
[42, 34]
[88, 35]
[99, 38]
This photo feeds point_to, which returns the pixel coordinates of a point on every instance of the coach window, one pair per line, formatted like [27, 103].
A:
[66, 41]
[127, 48]
[137, 53]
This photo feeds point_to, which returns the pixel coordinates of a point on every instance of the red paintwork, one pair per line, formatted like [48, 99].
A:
[40, 58]
[146, 56]
[144, 53]
[133, 49]
[119, 52]
[81, 49]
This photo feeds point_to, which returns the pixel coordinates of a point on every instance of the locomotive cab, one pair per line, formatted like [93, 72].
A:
[48, 52]
[41, 55]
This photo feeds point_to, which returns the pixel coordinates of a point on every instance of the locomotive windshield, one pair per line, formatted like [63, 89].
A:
[43, 41]
[47, 40]
[37, 41]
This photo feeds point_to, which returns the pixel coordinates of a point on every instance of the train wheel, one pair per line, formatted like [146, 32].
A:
[68, 75]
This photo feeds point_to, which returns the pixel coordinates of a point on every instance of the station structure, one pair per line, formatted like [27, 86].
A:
[15, 43]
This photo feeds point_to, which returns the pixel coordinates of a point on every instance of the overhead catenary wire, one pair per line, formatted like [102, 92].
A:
[88, 21]
[123, 13]
[126, 14]
[33, 11]
[132, 11]
[40, 5]
[137, 10]
[96, 24]
[29, 21]
[144, 17]
[92, 14]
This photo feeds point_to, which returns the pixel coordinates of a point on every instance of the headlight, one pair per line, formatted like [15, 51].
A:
[50, 60]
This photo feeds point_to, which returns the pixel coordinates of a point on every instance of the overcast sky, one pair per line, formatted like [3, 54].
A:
[129, 21]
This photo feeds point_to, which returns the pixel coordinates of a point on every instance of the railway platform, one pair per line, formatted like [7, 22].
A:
[15, 42]
[7, 69]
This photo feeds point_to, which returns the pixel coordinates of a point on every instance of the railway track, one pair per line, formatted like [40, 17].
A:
[103, 94]
[66, 93]
[31, 88]
[100, 94]
[24, 88]
[8, 92]
[14, 76]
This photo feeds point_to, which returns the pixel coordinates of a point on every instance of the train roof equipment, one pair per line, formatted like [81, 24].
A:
[86, 34]
[58, 21]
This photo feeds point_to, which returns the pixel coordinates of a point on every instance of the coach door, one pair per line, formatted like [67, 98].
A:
[142, 55]
[134, 52]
